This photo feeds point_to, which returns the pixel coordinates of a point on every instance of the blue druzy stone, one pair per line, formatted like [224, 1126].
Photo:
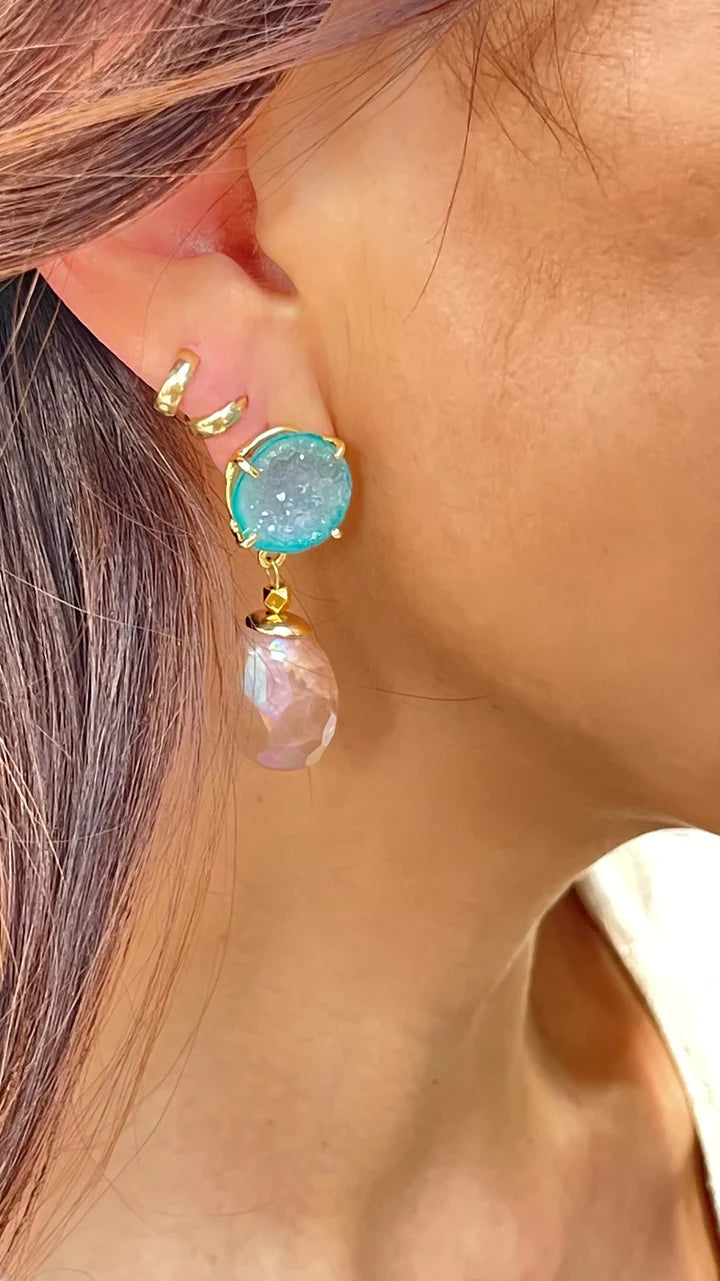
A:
[300, 496]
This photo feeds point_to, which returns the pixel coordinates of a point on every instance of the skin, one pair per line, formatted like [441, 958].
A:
[426, 1063]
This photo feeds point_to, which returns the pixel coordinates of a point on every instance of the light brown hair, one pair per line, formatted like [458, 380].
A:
[107, 568]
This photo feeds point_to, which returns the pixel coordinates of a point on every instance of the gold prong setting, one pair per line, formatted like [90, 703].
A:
[245, 465]
[290, 488]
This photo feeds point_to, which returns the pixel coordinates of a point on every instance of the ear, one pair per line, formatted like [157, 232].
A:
[189, 274]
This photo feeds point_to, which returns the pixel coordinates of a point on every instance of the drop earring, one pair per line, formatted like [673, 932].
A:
[287, 490]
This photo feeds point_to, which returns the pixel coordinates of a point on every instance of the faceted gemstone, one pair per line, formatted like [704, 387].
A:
[301, 495]
[291, 700]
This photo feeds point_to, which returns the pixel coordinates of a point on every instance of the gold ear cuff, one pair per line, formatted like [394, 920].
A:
[173, 389]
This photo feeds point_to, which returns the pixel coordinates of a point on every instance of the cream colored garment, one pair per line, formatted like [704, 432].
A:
[658, 899]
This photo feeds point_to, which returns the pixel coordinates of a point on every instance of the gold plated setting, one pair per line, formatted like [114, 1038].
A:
[275, 619]
[242, 462]
[170, 395]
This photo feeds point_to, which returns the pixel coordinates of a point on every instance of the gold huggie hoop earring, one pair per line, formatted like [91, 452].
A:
[168, 399]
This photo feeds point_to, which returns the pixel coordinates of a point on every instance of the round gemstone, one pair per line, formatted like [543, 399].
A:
[299, 498]
[291, 700]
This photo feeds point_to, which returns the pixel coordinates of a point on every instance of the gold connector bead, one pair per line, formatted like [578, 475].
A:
[277, 599]
[275, 619]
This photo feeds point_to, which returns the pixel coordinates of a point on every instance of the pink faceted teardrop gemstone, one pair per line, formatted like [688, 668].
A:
[292, 700]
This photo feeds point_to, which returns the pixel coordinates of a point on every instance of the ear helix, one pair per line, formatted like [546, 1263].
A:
[287, 490]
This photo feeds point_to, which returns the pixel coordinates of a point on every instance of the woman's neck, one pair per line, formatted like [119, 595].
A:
[419, 1056]
[389, 905]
